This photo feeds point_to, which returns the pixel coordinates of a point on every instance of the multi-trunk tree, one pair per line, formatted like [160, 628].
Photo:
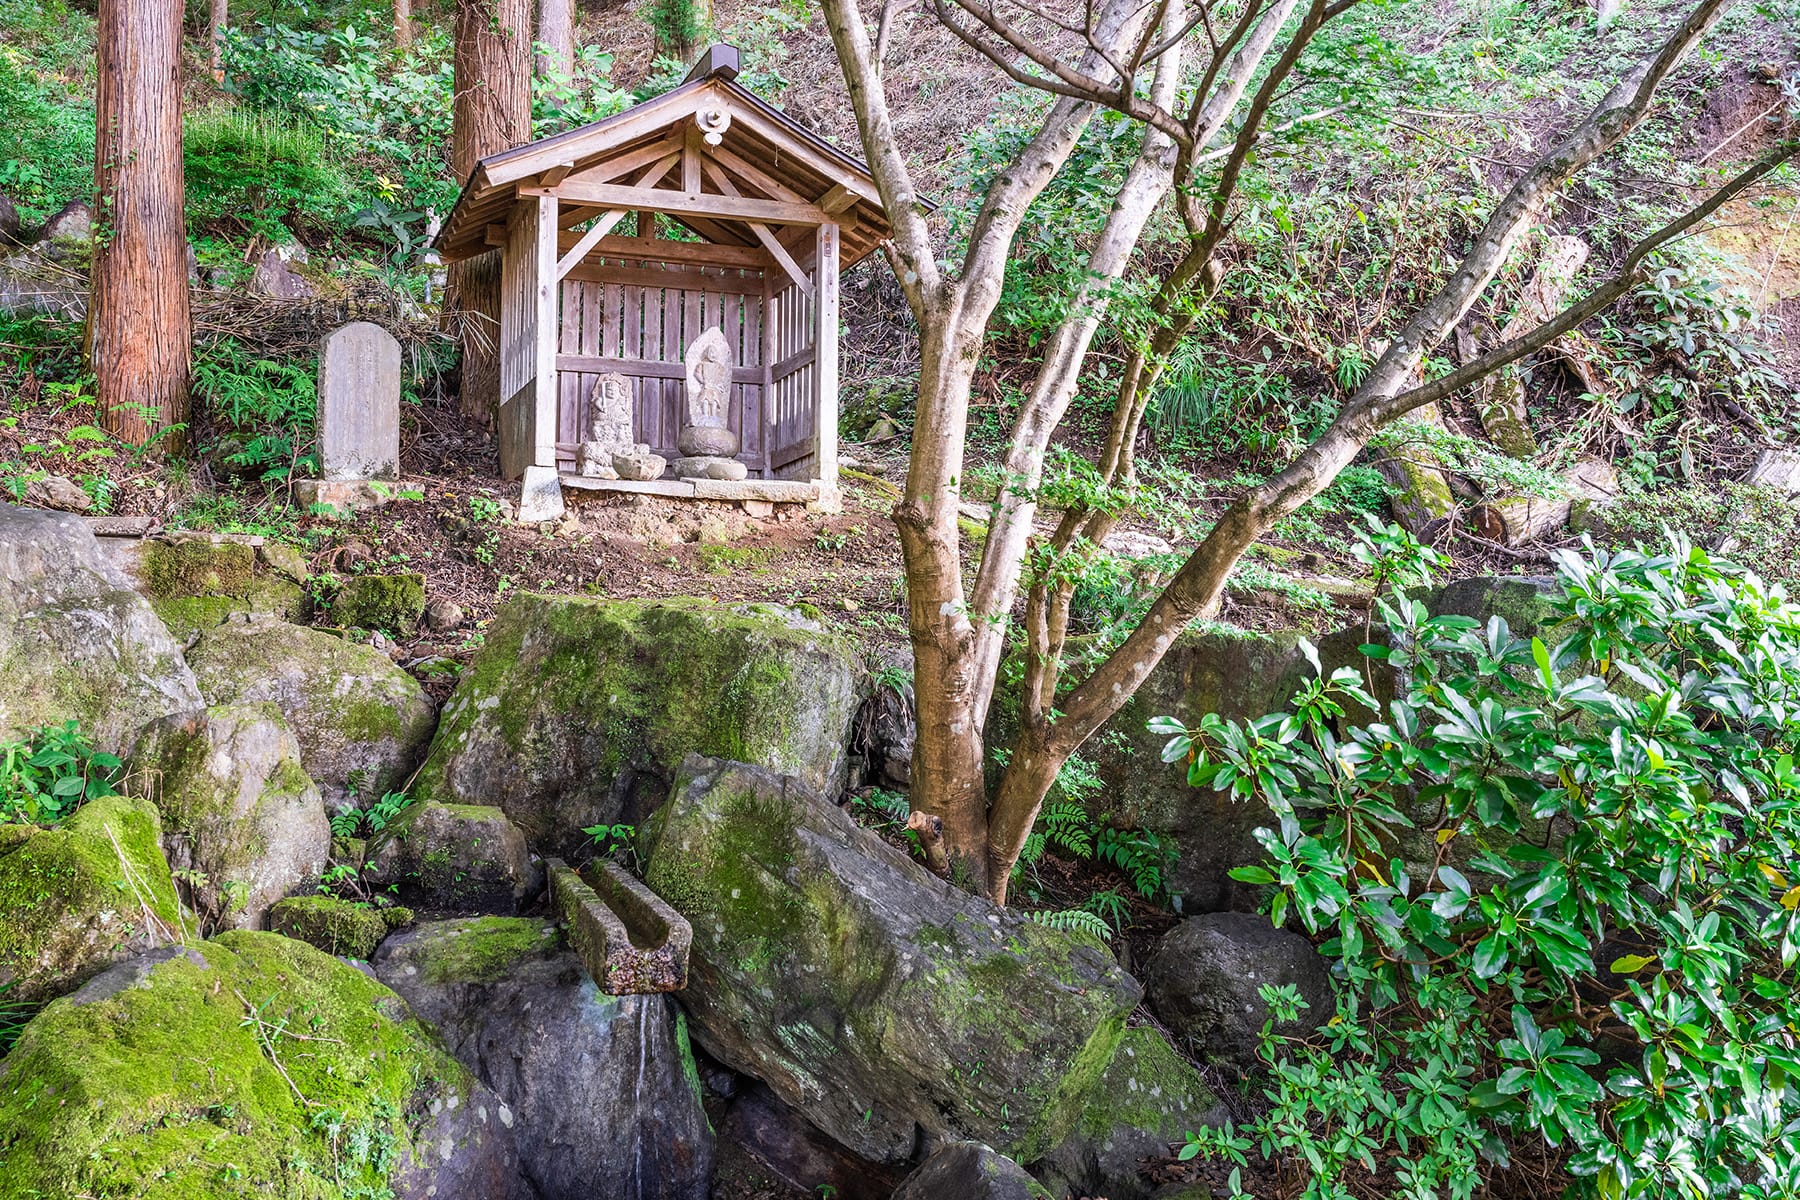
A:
[1204, 85]
[139, 336]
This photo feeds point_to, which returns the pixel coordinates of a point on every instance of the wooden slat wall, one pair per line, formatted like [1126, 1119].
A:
[649, 325]
[792, 356]
[518, 340]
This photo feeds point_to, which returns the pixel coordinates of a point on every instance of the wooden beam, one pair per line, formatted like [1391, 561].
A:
[654, 277]
[556, 174]
[614, 169]
[769, 241]
[702, 254]
[685, 204]
[691, 148]
[758, 178]
[648, 368]
[596, 231]
[838, 199]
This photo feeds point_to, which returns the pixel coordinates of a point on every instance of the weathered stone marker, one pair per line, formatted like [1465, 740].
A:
[359, 419]
[359, 403]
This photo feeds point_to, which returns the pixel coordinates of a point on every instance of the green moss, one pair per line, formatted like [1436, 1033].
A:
[112, 1098]
[642, 684]
[482, 949]
[196, 566]
[724, 560]
[188, 615]
[77, 896]
[1146, 1085]
[335, 926]
[393, 603]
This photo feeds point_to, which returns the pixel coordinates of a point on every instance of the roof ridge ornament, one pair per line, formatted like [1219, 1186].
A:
[718, 59]
[712, 123]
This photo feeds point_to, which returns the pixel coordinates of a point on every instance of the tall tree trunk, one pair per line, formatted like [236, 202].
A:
[403, 23]
[556, 34]
[139, 337]
[680, 27]
[221, 16]
[491, 113]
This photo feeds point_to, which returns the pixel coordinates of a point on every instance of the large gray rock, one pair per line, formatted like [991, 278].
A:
[604, 1097]
[195, 581]
[1142, 1107]
[872, 996]
[351, 707]
[85, 894]
[75, 640]
[1205, 981]
[238, 809]
[185, 1074]
[577, 711]
[467, 858]
[969, 1171]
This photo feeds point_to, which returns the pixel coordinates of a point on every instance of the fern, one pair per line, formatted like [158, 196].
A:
[1146, 858]
[1073, 920]
[1068, 827]
[1109, 907]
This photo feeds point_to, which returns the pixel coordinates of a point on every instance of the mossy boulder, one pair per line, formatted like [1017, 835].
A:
[199, 1074]
[238, 809]
[467, 857]
[81, 896]
[195, 581]
[351, 707]
[336, 926]
[872, 996]
[577, 711]
[605, 1088]
[390, 603]
[76, 639]
[1526, 602]
[1142, 1107]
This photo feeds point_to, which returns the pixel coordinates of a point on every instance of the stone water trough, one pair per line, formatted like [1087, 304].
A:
[629, 940]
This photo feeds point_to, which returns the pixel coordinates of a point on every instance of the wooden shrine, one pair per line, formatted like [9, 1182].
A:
[624, 242]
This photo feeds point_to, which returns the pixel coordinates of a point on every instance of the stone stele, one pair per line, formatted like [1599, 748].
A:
[359, 403]
[706, 431]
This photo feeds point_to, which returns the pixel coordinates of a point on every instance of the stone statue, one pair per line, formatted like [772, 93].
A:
[609, 427]
[706, 433]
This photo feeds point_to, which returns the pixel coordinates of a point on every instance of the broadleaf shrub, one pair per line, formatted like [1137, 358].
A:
[1559, 883]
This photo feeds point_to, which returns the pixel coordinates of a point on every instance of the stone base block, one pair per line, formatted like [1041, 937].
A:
[348, 496]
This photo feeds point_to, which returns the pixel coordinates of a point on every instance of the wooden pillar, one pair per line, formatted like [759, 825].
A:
[825, 343]
[549, 329]
[767, 407]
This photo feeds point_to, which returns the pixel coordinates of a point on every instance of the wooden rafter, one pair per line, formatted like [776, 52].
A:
[769, 241]
[685, 203]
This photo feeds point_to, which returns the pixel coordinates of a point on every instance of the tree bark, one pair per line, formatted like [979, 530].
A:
[556, 36]
[139, 335]
[403, 31]
[220, 17]
[491, 112]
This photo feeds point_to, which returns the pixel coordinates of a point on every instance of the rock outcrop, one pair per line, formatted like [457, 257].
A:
[577, 711]
[195, 581]
[76, 641]
[355, 712]
[1142, 1107]
[185, 1074]
[970, 1171]
[241, 819]
[874, 997]
[605, 1097]
[81, 896]
[1205, 981]
[336, 926]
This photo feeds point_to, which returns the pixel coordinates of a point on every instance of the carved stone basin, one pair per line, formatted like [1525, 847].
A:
[629, 940]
